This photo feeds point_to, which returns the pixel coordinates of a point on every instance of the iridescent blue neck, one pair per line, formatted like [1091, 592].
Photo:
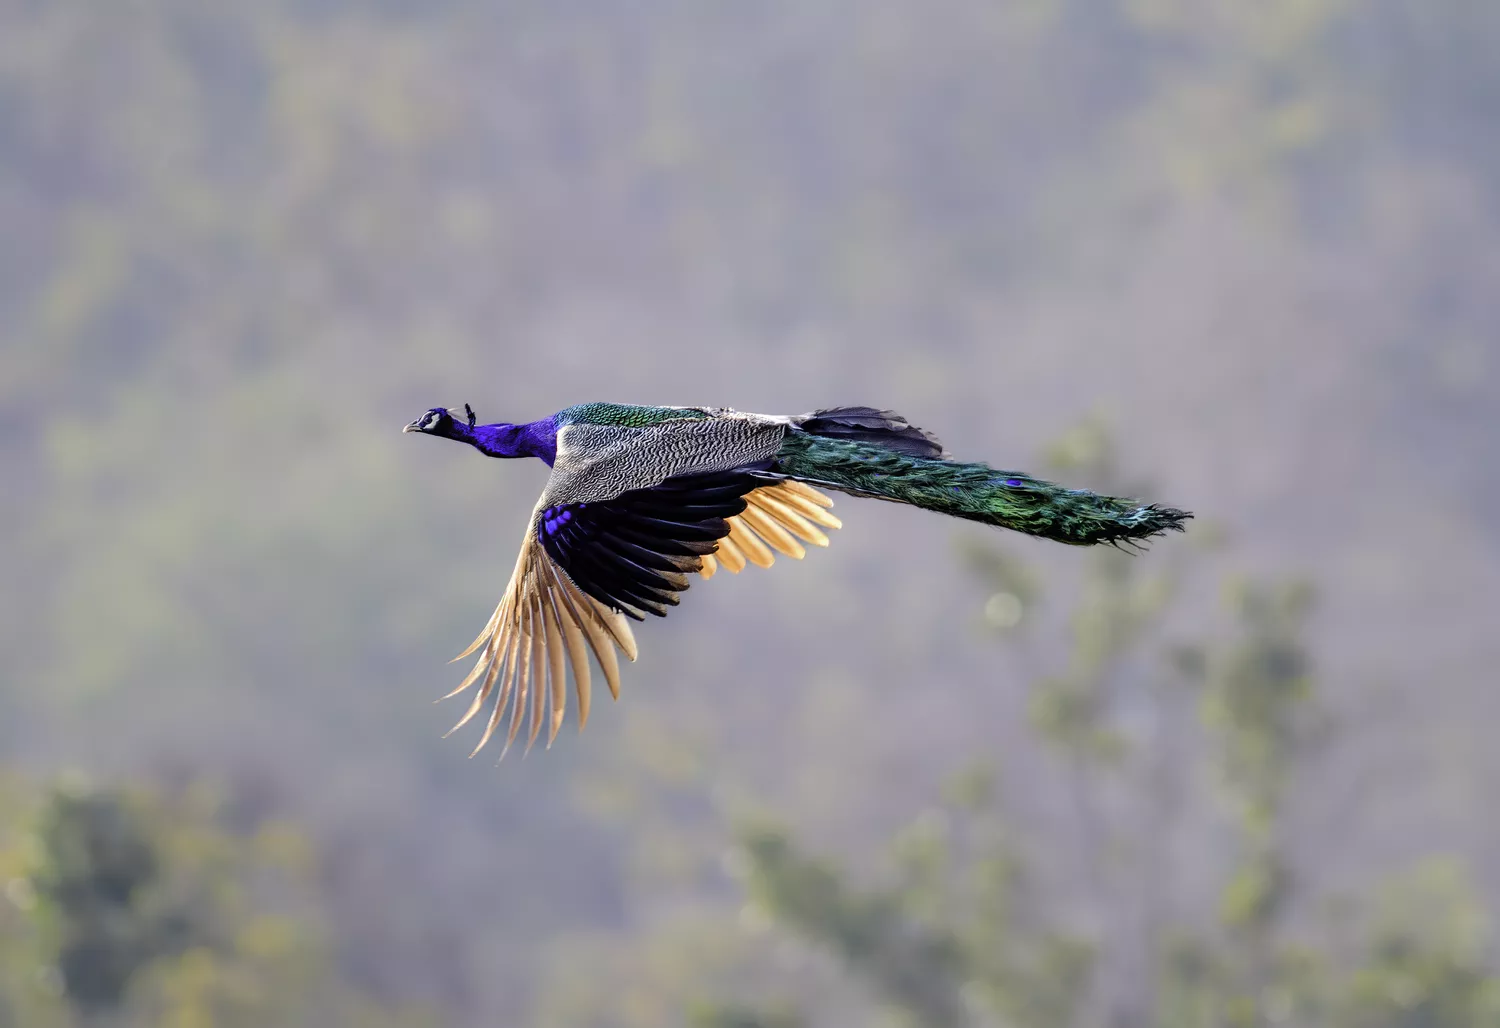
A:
[533, 439]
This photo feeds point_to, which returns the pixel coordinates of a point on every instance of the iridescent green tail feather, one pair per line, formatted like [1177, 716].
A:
[976, 492]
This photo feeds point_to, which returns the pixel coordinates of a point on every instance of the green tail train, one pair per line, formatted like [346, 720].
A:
[866, 452]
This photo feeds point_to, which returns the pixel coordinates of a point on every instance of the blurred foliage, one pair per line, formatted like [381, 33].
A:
[1428, 959]
[951, 932]
[136, 907]
[712, 1016]
[247, 240]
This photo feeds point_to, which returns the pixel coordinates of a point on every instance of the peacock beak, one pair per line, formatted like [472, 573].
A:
[411, 428]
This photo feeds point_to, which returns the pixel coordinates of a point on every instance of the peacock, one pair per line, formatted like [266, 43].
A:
[640, 498]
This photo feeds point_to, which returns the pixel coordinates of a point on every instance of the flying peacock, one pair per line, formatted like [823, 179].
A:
[642, 497]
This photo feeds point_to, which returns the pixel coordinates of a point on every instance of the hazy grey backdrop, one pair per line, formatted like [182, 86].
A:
[1256, 245]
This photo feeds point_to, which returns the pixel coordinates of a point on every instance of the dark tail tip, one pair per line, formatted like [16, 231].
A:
[1144, 523]
[1164, 519]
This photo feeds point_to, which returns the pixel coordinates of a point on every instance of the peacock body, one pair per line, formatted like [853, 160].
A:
[640, 498]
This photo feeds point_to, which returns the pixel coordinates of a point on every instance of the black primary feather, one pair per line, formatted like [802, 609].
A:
[633, 553]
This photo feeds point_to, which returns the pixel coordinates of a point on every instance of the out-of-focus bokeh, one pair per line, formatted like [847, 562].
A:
[1243, 258]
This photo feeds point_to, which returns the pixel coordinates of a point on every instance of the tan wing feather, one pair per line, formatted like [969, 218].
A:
[803, 489]
[542, 626]
[802, 505]
[491, 661]
[557, 668]
[790, 519]
[508, 675]
[608, 662]
[522, 681]
[599, 638]
[540, 694]
[768, 529]
[617, 626]
[750, 544]
[577, 648]
[516, 576]
[730, 556]
[480, 666]
[493, 668]
[490, 637]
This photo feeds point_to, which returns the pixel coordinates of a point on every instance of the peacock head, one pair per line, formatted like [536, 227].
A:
[438, 421]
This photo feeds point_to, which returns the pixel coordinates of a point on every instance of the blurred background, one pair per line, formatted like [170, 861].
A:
[1239, 258]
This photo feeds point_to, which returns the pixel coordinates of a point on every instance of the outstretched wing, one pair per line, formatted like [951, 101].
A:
[585, 568]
